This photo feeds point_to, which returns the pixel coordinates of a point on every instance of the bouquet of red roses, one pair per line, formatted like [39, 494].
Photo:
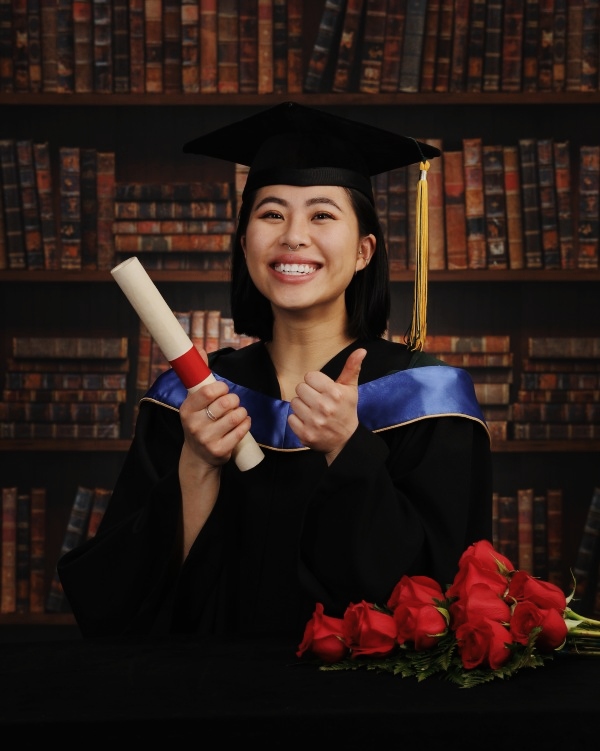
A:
[492, 621]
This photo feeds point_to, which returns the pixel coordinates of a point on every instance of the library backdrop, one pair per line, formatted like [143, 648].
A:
[97, 99]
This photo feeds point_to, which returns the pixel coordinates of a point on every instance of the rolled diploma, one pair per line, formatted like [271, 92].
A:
[174, 343]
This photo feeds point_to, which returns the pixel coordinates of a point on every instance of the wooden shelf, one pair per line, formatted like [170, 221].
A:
[326, 99]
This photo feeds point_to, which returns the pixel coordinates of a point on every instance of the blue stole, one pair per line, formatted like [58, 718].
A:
[395, 399]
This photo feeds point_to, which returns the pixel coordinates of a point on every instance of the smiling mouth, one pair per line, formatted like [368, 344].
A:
[295, 269]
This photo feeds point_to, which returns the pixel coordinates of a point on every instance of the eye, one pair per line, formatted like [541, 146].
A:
[323, 215]
[271, 214]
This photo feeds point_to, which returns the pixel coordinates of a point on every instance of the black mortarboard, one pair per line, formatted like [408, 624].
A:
[291, 144]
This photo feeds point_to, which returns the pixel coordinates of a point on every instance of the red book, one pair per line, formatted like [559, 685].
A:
[105, 192]
[432, 23]
[295, 62]
[393, 45]
[444, 46]
[228, 71]
[559, 48]
[99, 506]
[172, 55]
[554, 522]
[279, 46]
[514, 220]
[83, 45]
[456, 223]
[37, 550]
[474, 202]
[190, 47]
[137, 47]
[265, 70]
[120, 47]
[562, 176]
[208, 46]
[574, 45]
[460, 44]
[103, 49]
[588, 227]
[248, 36]
[512, 46]
[153, 37]
[8, 584]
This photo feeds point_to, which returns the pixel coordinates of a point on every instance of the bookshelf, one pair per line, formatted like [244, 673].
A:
[147, 131]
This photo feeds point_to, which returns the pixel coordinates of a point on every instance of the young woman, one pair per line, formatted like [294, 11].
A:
[377, 460]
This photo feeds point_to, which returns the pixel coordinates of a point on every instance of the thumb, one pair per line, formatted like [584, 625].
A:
[351, 371]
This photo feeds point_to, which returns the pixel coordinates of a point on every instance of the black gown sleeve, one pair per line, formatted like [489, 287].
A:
[404, 501]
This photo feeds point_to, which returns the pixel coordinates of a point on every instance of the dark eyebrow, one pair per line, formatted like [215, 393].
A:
[310, 202]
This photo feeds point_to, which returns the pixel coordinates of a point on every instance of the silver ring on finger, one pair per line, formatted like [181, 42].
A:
[209, 414]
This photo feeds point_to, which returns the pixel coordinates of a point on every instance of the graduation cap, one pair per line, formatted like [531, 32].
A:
[291, 144]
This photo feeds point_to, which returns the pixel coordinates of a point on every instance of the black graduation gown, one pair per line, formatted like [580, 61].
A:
[291, 531]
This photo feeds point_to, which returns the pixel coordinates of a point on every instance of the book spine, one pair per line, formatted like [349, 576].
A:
[154, 52]
[279, 46]
[49, 45]
[105, 193]
[371, 54]
[212, 330]
[564, 347]
[531, 45]
[495, 207]
[460, 40]
[227, 47]
[564, 205]
[121, 59]
[20, 46]
[554, 523]
[13, 218]
[99, 506]
[574, 45]
[476, 45]
[137, 47]
[190, 47]
[295, 61]
[393, 46]
[8, 591]
[540, 536]
[588, 553]
[327, 39]
[167, 243]
[172, 59]
[530, 203]
[345, 65]
[34, 44]
[514, 220]
[190, 191]
[432, 23]
[22, 553]
[559, 47]
[588, 218]
[89, 209]
[92, 347]
[7, 80]
[43, 177]
[163, 210]
[397, 220]
[166, 227]
[83, 46]
[525, 535]
[248, 35]
[508, 528]
[37, 550]
[444, 46]
[590, 46]
[32, 230]
[474, 202]
[545, 45]
[208, 47]
[412, 47]
[548, 210]
[455, 213]
[489, 343]
[512, 46]
[70, 207]
[103, 61]
[492, 58]
[265, 70]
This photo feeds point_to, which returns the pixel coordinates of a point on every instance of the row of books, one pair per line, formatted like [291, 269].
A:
[23, 555]
[530, 205]
[33, 235]
[386, 46]
[145, 46]
[65, 387]
[527, 529]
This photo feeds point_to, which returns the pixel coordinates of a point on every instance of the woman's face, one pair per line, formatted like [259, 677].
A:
[320, 224]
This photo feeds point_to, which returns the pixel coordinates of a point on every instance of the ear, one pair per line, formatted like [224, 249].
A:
[366, 249]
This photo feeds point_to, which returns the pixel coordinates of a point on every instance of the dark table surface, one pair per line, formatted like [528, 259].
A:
[251, 690]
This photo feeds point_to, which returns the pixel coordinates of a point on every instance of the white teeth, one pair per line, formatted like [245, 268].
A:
[294, 268]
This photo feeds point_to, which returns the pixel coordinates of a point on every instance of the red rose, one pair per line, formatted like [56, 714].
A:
[420, 623]
[483, 642]
[415, 589]
[527, 616]
[323, 636]
[481, 600]
[472, 573]
[368, 631]
[542, 593]
[486, 556]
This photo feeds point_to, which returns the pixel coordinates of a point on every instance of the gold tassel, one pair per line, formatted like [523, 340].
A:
[415, 337]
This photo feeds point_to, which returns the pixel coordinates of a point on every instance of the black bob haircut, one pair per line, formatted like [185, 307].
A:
[367, 295]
